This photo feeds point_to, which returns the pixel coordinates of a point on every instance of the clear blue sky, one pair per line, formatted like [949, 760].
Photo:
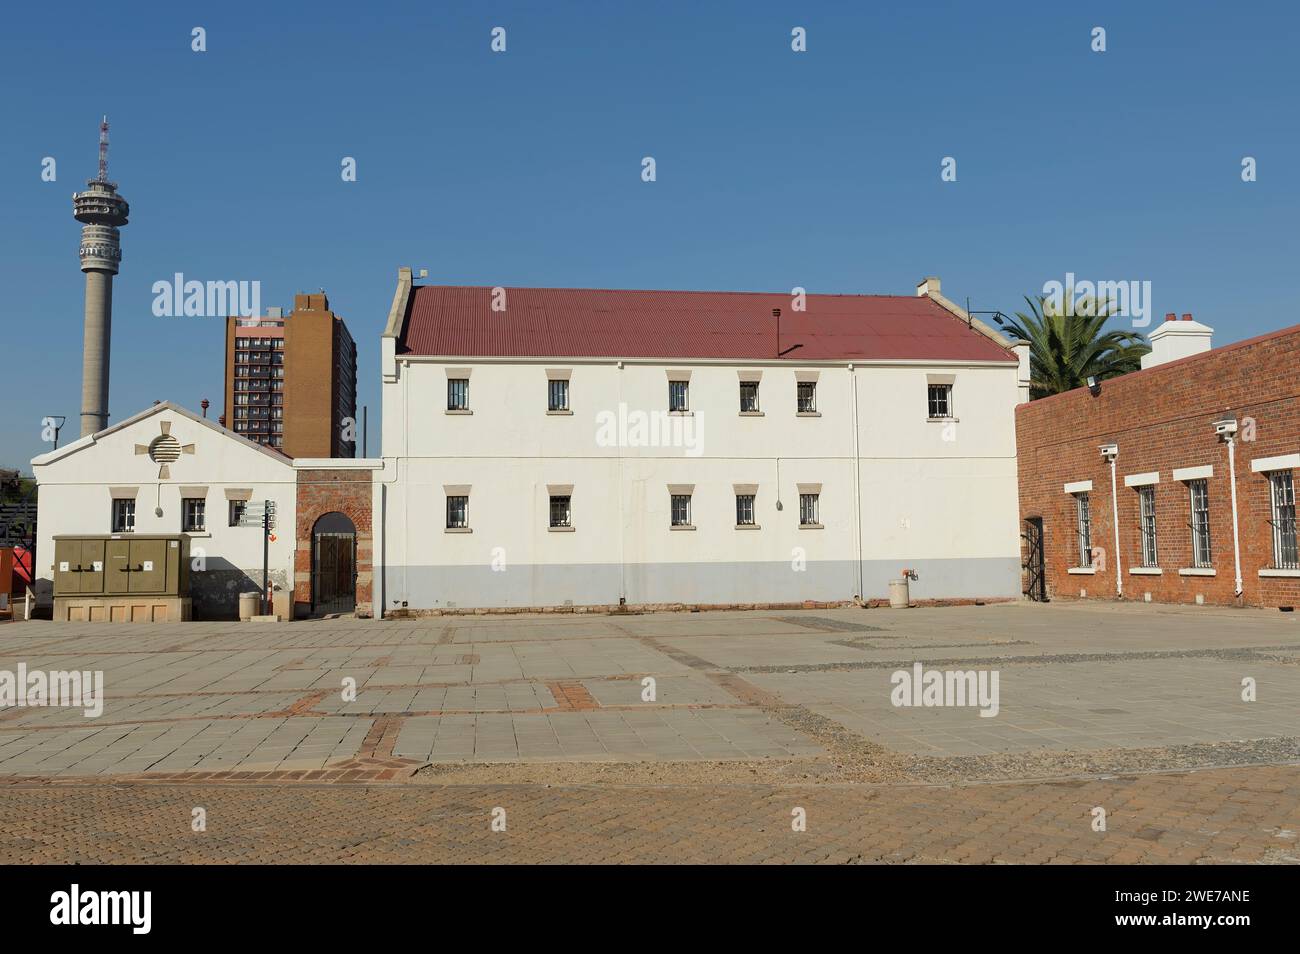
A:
[775, 169]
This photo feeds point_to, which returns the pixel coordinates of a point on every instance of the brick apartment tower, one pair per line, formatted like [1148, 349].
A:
[291, 382]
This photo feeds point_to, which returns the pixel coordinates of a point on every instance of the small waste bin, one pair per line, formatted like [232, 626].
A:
[899, 594]
[250, 605]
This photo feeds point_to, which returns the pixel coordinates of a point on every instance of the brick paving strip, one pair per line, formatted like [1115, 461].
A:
[1241, 815]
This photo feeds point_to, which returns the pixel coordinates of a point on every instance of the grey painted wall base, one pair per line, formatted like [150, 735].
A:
[458, 587]
[216, 592]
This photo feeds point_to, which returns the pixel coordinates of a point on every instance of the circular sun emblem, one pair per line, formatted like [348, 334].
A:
[164, 449]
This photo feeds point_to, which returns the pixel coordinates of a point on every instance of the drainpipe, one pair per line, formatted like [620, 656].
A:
[857, 481]
[1111, 452]
[1114, 507]
[1236, 543]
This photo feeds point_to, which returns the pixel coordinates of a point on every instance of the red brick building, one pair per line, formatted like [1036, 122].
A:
[1177, 430]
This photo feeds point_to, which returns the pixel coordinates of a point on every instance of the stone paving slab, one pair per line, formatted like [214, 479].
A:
[733, 685]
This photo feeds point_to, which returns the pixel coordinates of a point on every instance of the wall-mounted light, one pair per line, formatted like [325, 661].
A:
[1094, 386]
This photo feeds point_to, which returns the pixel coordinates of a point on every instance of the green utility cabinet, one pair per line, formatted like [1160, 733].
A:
[122, 577]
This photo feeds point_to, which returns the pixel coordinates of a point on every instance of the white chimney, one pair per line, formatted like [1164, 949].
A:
[927, 286]
[1177, 339]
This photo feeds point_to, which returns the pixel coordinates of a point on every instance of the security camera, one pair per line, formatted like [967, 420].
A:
[1109, 451]
[1226, 427]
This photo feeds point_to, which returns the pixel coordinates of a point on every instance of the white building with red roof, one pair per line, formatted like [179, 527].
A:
[552, 447]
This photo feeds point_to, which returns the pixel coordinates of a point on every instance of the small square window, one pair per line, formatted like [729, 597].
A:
[809, 515]
[744, 510]
[123, 515]
[558, 395]
[457, 512]
[458, 394]
[681, 516]
[940, 400]
[561, 511]
[192, 514]
[237, 508]
[679, 395]
[748, 397]
[807, 397]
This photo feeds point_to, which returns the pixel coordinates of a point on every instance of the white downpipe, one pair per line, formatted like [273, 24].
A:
[1236, 543]
[857, 481]
[1114, 509]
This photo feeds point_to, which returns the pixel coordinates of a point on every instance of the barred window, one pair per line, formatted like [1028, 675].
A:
[807, 397]
[457, 394]
[940, 400]
[561, 511]
[558, 396]
[192, 514]
[681, 510]
[1202, 555]
[123, 515]
[237, 508]
[1147, 524]
[1285, 556]
[748, 396]
[808, 510]
[457, 512]
[679, 395]
[744, 510]
[1083, 528]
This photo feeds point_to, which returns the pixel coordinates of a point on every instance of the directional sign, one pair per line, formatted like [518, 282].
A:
[253, 511]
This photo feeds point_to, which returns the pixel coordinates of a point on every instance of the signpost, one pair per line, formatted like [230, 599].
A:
[263, 513]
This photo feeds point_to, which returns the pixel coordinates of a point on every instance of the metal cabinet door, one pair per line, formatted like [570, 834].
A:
[92, 555]
[117, 566]
[67, 567]
[148, 566]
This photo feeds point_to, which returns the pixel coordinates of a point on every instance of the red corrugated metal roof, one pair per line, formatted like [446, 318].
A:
[458, 321]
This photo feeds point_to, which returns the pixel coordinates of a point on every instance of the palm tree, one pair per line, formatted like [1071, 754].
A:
[1066, 350]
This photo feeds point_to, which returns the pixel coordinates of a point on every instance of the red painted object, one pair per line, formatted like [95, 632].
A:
[458, 321]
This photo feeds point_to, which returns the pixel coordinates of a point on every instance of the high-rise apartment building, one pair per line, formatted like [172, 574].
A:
[291, 382]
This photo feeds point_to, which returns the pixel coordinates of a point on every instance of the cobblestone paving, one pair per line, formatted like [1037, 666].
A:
[1215, 816]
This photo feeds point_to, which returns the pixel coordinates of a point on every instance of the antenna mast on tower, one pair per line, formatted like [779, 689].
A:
[103, 150]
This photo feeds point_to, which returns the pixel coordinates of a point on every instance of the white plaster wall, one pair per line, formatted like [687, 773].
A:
[930, 494]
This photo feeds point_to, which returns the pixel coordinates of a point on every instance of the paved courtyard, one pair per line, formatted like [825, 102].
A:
[566, 715]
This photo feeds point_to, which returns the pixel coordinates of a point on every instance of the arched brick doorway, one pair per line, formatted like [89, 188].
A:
[344, 491]
[333, 565]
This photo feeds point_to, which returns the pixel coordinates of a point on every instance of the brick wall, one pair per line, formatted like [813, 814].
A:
[320, 492]
[1161, 419]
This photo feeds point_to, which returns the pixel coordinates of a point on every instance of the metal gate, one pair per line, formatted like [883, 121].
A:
[1035, 564]
[334, 573]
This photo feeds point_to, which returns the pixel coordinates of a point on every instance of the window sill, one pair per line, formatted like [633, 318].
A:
[943, 420]
[457, 530]
[812, 526]
[1198, 571]
[748, 526]
[561, 529]
[1146, 571]
[681, 413]
[551, 413]
[682, 527]
[807, 413]
[752, 414]
[459, 411]
[1082, 570]
[1274, 571]
[197, 533]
